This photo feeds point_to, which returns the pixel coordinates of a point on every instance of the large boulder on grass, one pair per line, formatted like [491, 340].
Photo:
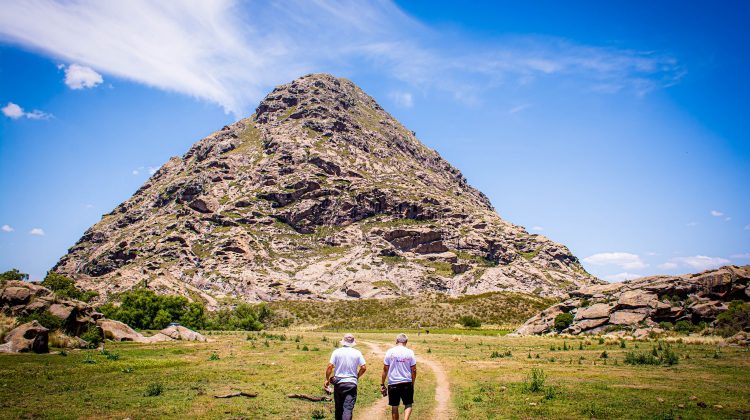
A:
[118, 331]
[28, 337]
[178, 332]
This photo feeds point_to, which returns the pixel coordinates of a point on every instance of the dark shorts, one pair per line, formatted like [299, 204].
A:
[401, 392]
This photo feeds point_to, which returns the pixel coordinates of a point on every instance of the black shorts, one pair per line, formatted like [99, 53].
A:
[401, 392]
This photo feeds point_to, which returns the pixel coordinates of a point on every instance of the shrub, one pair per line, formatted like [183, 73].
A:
[734, 319]
[661, 355]
[153, 390]
[92, 336]
[45, 318]
[13, 274]
[213, 356]
[142, 308]
[497, 354]
[469, 321]
[684, 326]
[604, 355]
[666, 325]
[318, 413]
[563, 321]
[65, 287]
[535, 380]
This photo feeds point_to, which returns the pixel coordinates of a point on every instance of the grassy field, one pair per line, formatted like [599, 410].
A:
[178, 380]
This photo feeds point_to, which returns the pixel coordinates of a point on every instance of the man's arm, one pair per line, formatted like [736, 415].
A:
[329, 370]
[414, 374]
[384, 375]
[362, 370]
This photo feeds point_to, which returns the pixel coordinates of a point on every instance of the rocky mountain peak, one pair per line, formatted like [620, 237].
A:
[320, 194]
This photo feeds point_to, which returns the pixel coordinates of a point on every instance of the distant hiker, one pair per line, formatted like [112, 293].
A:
[400, 367]
[350, 365]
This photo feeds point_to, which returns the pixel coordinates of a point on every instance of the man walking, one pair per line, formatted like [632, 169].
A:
[400, 367]
[349, 365]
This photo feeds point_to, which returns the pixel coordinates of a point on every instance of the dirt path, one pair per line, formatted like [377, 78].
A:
[441, 410]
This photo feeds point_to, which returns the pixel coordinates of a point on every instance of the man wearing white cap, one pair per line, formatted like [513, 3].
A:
[400, 368]
[349, 365]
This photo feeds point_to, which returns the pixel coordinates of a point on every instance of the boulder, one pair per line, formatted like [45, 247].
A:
[588, 324]
[636, 299]
[61, 311]
[156, 338]
[15, 295]
[597, 310]
[708, 310]
[118, 331]
[742, 338]
[626, 318]
[178, 332]
[31, 336]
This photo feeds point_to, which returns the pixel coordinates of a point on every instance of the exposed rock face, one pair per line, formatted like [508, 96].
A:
[641, 304]
[19, 298]
[28, 337]
[318, 195]
[118, 331]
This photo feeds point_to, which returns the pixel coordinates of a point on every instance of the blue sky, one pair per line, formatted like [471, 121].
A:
[616, 128]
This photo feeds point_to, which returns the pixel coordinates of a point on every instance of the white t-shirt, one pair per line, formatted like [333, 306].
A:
[347, 361]
[399, 360]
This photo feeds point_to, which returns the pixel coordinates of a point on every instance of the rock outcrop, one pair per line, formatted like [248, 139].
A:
[320, 194]
[640, 305]
[28, 337]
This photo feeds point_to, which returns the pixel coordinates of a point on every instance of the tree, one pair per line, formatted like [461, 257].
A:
[469, 321]
[65, 287]
[13, 274]
[563, 321]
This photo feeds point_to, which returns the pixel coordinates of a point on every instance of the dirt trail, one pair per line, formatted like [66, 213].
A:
[441, 410]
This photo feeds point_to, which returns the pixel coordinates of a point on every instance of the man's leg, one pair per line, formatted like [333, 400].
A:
[408, 398]
[338, 399]
[394, 412]
[407, 412]
[350, 398]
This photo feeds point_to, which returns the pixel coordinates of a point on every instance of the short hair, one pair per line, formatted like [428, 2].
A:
[402, 338]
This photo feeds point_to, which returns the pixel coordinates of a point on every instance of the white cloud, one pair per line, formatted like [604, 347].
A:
[37, 232]
[537, 228]
[716, 213]
[230, 55]
[519, 108]
[745, 256]
[7, 228]
[622, 277]
[402, 99]
[136, 172]
[696, 262]
[623, 260]
[152, 170]
[14, 111]
[668, 266]
[81, 77]
[651, 254]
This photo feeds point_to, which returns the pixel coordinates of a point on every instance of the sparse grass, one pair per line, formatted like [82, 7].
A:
[64, 387]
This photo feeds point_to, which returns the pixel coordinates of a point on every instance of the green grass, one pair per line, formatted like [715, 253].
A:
[178, 379]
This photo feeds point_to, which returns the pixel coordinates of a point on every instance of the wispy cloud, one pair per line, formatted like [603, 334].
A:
[81, 77]
[519, 108]
[623, 260]
[716, 213]
[7, 228]
[691, 224]
[230, 53]
[745, 256]
[696, 262]
[402, 99]
[36, 232]
[537, 228]
[622, 277]
[14, 111]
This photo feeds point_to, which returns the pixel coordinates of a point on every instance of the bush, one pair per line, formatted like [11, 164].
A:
[65, 287]
[734, 319]
[563, 321]
[45, 318]
[142, 308]
[661, 355]
[13, 274]
[242, 317]
[535, 380]
[153, 390]
[92, 336]
[666, 325]
[684, 326]
[469, 321]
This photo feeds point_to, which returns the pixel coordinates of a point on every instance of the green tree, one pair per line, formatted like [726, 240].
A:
[735, 319]
[13, 274]
[563, 321]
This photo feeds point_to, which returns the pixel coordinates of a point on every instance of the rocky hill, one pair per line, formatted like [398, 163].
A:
[320, 194]
[642, 304]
